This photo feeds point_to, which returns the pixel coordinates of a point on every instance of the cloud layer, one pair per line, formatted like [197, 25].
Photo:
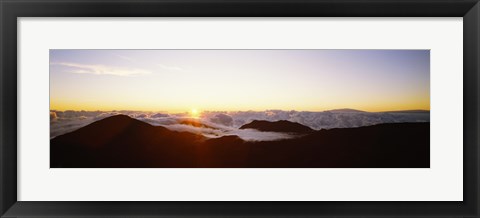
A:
[218, 124]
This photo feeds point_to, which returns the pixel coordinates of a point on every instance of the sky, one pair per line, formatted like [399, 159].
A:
[239, 80]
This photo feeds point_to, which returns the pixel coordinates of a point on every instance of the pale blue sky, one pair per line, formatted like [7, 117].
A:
[179, 80]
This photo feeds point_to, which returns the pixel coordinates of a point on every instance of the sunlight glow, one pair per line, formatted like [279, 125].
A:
[194, 113]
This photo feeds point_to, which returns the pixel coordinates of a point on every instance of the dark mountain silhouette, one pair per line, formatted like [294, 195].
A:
[277, 126]
[121, 141]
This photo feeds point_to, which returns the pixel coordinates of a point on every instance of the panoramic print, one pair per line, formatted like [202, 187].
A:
[239, 108]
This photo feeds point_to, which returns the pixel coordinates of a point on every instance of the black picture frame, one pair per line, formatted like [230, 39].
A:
[10, 10]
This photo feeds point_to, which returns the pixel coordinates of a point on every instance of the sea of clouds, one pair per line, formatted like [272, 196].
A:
[217, 123]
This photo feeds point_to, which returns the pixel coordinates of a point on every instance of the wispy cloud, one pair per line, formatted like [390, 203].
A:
[170, 68]
[126, 58]
[101, 69]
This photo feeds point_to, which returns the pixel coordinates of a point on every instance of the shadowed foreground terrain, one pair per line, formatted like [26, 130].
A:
[121, 141]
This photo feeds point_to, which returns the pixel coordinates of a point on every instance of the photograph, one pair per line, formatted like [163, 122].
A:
[239, 108]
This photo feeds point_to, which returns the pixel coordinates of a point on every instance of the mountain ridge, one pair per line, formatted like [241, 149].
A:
[123, 142]
[277, 126]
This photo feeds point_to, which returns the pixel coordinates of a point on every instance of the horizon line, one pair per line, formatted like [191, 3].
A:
[201, 111]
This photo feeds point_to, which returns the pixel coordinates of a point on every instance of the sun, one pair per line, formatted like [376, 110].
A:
[194, 113]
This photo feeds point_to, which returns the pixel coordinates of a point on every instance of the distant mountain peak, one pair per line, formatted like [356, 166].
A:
[407, 111]
[345, 110]
[277, 126]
